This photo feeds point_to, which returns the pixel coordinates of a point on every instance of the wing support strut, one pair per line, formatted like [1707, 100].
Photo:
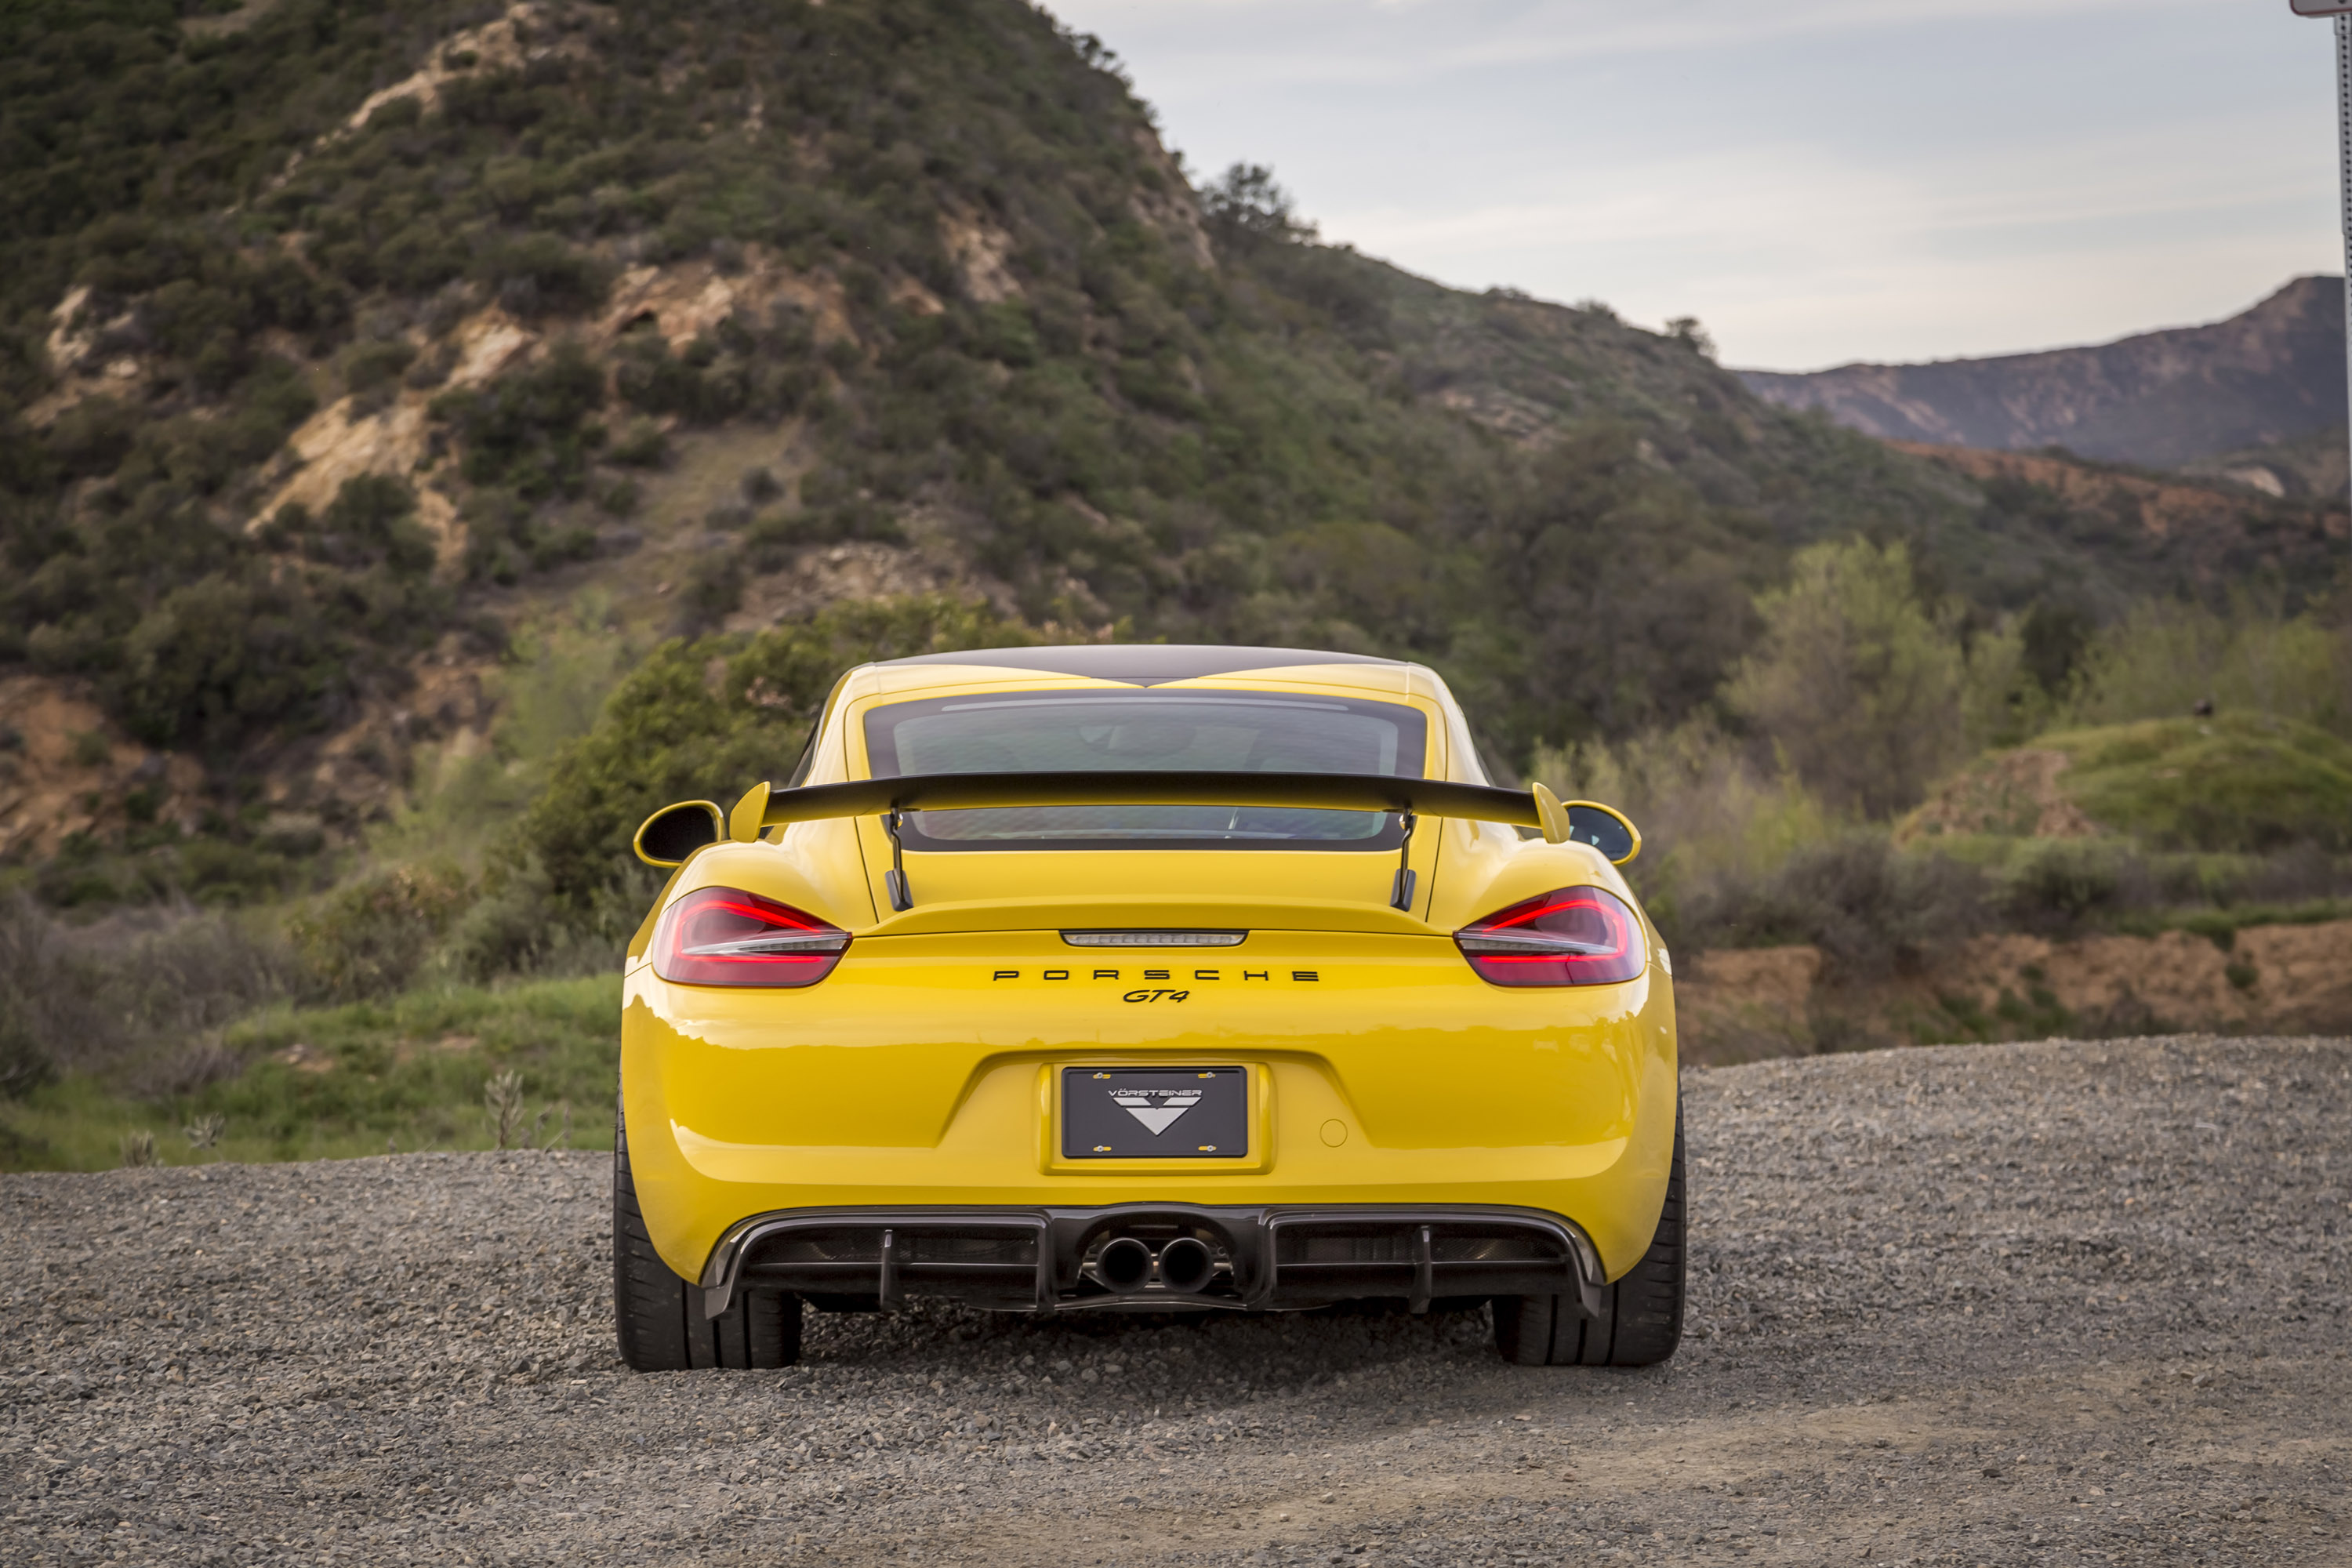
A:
[1401, 891]
[901, 898]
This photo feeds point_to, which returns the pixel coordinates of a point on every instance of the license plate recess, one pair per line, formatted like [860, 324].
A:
[1155, 1113]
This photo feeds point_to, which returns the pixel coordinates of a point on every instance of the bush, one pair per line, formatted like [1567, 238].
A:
[109, 994]
[738, 368]
[373, 937]
[371, 523]
[641, 445]
[228, 656]
[372, 369]
[520, 929]
[2165, 657]
[537, 274]
[705, 720]
[1873, 910]
[2065, 883]
[45, 999]
[527, 431]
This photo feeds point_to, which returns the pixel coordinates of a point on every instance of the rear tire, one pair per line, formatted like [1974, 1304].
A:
[1641, 1319]
[660, 1315]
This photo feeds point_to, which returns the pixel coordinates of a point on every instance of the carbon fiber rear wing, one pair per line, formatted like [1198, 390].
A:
[669, 836]
[763, 807]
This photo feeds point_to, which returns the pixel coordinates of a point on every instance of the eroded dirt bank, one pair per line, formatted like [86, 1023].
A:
[1744, 1004]
[2000, 1304]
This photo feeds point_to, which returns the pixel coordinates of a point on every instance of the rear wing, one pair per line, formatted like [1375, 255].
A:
[669, 836]
[764, 808]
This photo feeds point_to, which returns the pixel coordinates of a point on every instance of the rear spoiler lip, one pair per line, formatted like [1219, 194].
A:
[763, 808]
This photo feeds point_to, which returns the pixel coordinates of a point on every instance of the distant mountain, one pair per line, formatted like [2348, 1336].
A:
[2270, 376]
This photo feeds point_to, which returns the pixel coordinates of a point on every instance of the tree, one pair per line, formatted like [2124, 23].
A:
[1245, 204]
[1856, 681]
[1687, 331]
[707, 717]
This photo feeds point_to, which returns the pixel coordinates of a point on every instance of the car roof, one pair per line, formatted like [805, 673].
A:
[1140, 663]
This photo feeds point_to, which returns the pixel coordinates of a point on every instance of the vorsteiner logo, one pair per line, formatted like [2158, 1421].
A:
[1157, 1109]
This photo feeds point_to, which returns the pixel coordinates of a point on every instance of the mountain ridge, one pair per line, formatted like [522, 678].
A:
[2268, 376]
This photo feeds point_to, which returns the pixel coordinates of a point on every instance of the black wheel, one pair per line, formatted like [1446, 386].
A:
[1641, 1319]
[660, 1315]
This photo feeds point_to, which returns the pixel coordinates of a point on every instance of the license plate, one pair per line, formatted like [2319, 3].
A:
[1158, 1114]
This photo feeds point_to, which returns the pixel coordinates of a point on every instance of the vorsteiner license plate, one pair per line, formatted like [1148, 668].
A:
[1158, 1114]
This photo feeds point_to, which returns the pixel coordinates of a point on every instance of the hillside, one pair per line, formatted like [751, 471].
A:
[341, 342]
[2234, 783]
[2313, 465]
[2267, 377]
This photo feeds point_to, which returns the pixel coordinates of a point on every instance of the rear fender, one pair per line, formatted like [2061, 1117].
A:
[1481, 872]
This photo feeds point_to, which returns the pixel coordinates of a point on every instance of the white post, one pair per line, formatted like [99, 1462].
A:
[2344, 168]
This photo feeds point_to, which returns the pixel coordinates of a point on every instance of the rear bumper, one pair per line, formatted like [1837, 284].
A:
[1384, 1076]
[1269, 1259]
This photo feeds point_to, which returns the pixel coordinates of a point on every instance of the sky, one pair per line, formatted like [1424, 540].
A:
[1818, 181]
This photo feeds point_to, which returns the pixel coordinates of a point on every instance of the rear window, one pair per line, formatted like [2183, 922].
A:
[1152, 732]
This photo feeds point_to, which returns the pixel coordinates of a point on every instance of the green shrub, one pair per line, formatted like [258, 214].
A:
[1873, 910]
[529, 431]
[739, 367]
[704, 719]
[641, 445]
[2065, 883]
[507, 538]
[371, 937]
[229, 655]
[371, 523]
[2165, 657]
[536, 275]
[374, 368]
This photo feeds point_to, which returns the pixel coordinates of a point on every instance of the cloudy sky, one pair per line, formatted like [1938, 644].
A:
[1818, 181]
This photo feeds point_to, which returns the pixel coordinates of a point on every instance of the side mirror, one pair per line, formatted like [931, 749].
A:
[1604, 827]
[674, 832]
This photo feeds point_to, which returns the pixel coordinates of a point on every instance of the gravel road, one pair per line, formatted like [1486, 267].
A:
[2046, 1303]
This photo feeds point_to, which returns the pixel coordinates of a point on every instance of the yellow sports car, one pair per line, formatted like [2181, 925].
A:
[1130, 978]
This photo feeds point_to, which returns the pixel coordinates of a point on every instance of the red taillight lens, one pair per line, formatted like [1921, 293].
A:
[1576, 936]
[719, 936]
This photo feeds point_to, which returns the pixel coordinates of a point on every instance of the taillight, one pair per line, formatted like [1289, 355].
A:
[719, 936]
[1575, 936]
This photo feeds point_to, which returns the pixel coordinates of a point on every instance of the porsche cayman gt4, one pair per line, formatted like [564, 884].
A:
[1144, 979]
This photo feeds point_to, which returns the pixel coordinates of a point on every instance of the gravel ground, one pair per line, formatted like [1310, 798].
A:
[2047, 1303]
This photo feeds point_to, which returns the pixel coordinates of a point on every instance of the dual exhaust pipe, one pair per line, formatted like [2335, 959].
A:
[1126, 1263]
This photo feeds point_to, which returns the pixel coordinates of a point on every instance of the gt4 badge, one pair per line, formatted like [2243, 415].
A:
[1157, 1109]
[1155, 996]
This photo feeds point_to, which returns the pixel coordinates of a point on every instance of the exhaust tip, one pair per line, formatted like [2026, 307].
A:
[1185, 1265]
[1125, 1263]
